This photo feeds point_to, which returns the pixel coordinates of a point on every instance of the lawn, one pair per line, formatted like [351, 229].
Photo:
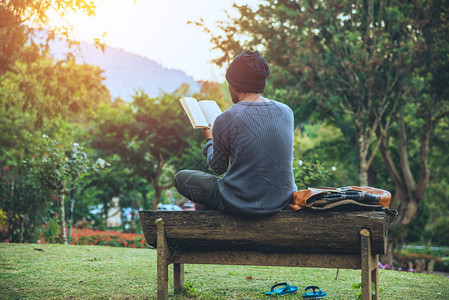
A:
[48, 271]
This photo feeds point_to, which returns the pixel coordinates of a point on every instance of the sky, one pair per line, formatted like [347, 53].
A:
[158, 30]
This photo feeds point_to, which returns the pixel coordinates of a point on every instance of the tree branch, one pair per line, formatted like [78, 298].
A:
[403, 155]
[391, 168]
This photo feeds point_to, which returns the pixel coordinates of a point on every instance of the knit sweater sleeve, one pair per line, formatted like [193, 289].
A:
[217, 150]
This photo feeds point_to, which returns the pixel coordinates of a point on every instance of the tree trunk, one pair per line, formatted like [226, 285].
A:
[363, 172]
[387, 259]
[158, 188]
[408, 194]
[363, 157]
[62, 233]
[156, 198]
[104, 218]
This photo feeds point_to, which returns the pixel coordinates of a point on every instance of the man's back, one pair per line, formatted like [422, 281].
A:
[254, 137]
[257, 139]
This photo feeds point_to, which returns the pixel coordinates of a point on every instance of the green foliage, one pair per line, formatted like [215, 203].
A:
[58, 167]
[331, 61]
[190, 291]
[99, 188]
[327, 144]
[49, 92]
[418, 227]
[152, 137]
[22, 202]
[50, 231]
[445, 263]
[136, 137]
[39, 95]
[376, 70]
[358, 288]
[14, 34]
[437, 232]
[192, 157]
[308, 174]
[215, 91]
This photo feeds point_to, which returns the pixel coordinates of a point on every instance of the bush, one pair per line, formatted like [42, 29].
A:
[438, 233]
[405, 260]
[308, 174]
[103, 238]
[445, 264]
[50, 231]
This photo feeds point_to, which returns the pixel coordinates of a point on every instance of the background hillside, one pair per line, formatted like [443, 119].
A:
[126, 72]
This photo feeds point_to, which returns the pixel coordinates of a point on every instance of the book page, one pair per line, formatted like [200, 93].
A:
[210, 109]
[194, 112]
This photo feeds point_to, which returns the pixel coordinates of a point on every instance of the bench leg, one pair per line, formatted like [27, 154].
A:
[375, 276]
[178, 272]
[366, 264]
[163, 254]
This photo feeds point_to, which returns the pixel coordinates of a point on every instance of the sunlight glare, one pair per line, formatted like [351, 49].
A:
[157, 30]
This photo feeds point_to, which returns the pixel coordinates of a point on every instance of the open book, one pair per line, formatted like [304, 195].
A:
[200, 113]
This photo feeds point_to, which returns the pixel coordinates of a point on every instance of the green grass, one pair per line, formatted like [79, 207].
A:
[100, 272]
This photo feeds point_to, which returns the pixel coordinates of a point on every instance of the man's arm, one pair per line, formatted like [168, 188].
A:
[208, 132]
[217, 150]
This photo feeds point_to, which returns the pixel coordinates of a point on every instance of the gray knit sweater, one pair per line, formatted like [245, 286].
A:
[256, 138]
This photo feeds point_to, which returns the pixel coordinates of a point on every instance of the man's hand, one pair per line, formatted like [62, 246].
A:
[207, 133]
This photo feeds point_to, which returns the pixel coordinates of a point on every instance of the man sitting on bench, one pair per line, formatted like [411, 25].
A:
[256, 137]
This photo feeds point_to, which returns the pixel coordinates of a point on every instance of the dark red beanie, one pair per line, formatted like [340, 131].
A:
[248, 72]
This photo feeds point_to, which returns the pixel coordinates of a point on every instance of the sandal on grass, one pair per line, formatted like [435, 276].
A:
[285, 290]
[316, 293]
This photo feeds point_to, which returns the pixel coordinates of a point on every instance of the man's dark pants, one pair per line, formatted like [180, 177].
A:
[200, 187]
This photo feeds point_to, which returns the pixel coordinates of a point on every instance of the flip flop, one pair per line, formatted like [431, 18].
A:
[287, 289]
[316, 293]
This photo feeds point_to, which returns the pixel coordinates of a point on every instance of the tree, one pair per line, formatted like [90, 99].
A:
[38, 95]
[23, 204]
[437, 194]
[147, 135]
[215, 91]
[37, 98]
[33, 87]
[15, 15]
[99, 189]
[44, 97]
[420, 110]
[329, 58]
[326, 144]
[383, 66]
[58, 169]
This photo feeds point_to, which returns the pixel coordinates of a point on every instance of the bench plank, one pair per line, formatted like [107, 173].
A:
[285, 232]
[252, 258]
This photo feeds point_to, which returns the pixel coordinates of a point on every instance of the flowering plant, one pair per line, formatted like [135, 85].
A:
[103, 238]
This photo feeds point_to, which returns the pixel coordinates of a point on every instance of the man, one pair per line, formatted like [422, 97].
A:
[254, 137]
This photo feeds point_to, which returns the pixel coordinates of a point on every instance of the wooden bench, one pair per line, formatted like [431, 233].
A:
[347, 240]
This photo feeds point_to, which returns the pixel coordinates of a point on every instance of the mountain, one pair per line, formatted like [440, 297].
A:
[126, 72]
